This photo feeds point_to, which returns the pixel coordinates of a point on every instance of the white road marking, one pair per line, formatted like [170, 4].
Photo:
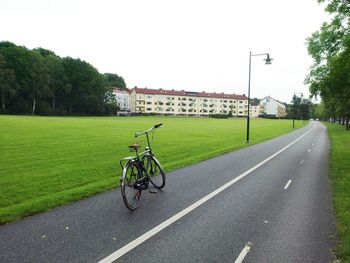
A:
[309, 150]
[287, 185]
[125, 249]
[243, 253]
[302, 161]
[313, 144]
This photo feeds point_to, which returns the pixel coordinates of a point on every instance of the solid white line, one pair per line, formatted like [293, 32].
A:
[243, 253]
[287, 185]
[125, 249]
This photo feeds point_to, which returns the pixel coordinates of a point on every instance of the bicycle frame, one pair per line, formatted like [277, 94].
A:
[147, 165]
[148, 149]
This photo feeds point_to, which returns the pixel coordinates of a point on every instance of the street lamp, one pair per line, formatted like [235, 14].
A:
[301, 95]
[268, 61]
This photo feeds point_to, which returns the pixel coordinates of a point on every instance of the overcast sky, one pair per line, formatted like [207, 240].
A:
[190, 45]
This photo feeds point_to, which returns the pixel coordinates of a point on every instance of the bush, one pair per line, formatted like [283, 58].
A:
[219, 116]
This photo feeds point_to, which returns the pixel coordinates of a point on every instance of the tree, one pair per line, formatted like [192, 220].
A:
[7, 82]
[39, 78]
[110, 103]
[58, 81]
[254, 101]
[17, 59]
[40, 82]
[87, 87]
[113, 80]
[330, 48]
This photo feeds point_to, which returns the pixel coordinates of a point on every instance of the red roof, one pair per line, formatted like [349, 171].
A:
[119, 90]
[188, 93]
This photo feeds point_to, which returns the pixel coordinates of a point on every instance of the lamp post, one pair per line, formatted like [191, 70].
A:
[301, 95]
[268, 61]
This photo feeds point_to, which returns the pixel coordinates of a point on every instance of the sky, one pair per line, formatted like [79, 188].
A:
[193, 45]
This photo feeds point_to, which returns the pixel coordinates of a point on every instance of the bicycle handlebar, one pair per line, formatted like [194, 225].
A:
[147, 131]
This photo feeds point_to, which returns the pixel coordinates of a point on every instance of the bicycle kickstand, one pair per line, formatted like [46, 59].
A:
[152, 190]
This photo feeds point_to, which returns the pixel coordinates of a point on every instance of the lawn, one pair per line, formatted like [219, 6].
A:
[340, 177]
[49, 161]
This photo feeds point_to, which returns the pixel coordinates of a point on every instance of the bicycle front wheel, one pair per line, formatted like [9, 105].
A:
[131, 194]
[155, 171]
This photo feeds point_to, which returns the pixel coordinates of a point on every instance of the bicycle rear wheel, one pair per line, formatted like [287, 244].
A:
[131, 195]
[154, 170]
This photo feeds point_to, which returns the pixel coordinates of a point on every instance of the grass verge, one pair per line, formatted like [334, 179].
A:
[50, 161]
[340, 177]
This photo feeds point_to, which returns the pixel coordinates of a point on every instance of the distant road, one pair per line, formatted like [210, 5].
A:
[270, 202]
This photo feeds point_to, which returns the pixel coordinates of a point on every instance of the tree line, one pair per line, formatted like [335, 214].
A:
[329, 77]
[38, 81]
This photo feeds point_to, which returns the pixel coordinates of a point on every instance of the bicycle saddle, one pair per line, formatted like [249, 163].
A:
[134, 146]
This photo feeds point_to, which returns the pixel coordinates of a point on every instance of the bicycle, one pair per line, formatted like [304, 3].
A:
[139, 171]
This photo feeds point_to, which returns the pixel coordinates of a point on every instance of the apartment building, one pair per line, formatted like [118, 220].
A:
[174, 102]
[123, 99]
[254, 111]
[272, 107]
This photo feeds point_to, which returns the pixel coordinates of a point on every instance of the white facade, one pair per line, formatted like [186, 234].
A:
[123, 99]
[173, 102]
[271, 106]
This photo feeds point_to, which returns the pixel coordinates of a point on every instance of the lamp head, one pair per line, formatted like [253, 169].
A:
[268, 60]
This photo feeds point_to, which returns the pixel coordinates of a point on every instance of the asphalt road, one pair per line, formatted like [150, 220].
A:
[275, 207]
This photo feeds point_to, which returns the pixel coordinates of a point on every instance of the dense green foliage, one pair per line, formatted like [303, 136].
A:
[113, 80]
[340, 177]
[49, 161]
[300, 108]
[40, 82]
[329, 76]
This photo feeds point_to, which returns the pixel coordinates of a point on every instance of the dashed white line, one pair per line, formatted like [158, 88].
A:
[287, 185]
[243, 253]
[136, 242]
[309, 150]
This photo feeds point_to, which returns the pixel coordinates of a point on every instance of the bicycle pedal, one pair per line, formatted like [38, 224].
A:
[152, 190]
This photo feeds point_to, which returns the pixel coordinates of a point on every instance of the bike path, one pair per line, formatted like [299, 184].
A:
[91, 229]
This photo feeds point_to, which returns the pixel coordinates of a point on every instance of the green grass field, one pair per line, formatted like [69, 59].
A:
[340, 177]
[49, 161]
